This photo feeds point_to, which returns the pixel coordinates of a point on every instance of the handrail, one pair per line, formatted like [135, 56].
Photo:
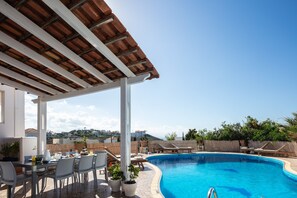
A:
[212, 191]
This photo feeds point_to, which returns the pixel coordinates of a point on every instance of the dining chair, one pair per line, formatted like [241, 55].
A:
[84, 165]
[100, 162]
[9, 177]
[64, 170]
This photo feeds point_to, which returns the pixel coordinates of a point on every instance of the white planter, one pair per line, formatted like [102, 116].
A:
[115, 185]
[123, 187]
[130, 189]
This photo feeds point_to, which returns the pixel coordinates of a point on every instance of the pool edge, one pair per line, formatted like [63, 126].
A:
[155, 185]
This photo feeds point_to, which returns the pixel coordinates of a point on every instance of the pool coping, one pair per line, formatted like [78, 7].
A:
[155, 185]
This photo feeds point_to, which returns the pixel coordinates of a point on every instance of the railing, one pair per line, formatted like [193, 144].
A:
[212, 191]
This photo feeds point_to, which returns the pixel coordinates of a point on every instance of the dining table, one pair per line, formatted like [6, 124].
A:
[34, 166]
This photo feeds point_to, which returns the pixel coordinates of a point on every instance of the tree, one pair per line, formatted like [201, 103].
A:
[191, 135]
[171, 136]
[252, 129]
[291, 126]
[200, 136]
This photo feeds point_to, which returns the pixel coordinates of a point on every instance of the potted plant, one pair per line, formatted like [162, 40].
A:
[10, 151]
[116, 177]
[131, 185]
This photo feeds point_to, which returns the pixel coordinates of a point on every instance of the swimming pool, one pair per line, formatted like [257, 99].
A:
[232, 175]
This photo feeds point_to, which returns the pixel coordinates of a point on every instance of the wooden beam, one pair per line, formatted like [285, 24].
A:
[132, 64]
[115, 39]
[21, 87]
[27, 24]
[97, 24]
[138, 62]
[48, 22]
[98, 88]
[58, 7]
[7, 40]
[122, 53]
[28, 81]
[34, 72]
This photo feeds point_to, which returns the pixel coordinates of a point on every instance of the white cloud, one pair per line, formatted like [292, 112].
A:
[64, 116]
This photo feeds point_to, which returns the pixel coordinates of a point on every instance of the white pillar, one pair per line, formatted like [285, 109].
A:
[125, 126]
[41, 126]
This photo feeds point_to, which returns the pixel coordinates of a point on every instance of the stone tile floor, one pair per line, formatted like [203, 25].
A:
[88, 189]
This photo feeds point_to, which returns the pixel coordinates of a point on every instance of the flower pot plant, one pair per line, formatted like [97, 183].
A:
[10, 151]
[131, 185]
[116, 177]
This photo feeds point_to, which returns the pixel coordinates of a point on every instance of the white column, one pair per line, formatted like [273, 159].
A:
[41, 126]
[125, 126]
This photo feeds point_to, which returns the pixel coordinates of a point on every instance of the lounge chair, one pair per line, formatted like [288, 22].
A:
[168, 147]
[112, 158]
[245, 149]
[183, 148]
[280, 151]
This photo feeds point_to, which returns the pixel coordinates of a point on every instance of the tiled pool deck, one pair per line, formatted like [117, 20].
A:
[147, 185]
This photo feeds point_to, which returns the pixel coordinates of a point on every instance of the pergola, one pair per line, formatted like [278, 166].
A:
[59, 49]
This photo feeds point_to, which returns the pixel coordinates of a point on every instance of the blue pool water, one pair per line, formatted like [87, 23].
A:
[232, 175]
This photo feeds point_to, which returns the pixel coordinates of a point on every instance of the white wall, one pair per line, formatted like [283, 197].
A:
[28, 146]
[14, 113]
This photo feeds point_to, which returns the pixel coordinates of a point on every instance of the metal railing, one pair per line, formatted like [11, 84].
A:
[212, 191]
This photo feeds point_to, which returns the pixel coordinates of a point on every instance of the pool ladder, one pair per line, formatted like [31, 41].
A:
[212, 191]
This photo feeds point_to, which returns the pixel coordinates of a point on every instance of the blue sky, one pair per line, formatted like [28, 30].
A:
[218, 61]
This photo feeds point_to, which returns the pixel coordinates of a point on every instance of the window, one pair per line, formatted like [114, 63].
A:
[2, 106]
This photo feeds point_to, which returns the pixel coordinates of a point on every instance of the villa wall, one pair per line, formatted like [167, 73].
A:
[221, 146]
[114, 147]
[209, 145]
[233, 146]
[153, 145]
[13, 103]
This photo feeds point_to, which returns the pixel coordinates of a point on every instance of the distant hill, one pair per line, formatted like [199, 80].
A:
[80, 133]
[150, 137]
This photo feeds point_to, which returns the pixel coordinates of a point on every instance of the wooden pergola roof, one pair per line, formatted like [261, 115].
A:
[52, 48]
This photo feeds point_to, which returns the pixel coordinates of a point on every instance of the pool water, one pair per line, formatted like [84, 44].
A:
[232, 175]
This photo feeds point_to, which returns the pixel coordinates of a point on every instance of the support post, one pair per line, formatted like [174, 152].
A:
[125, 126]
[41, 126]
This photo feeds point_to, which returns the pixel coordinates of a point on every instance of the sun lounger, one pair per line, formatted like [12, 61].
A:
[136, 160]
[169, 147]
[183, 148]
[245, 149]
[280, 151]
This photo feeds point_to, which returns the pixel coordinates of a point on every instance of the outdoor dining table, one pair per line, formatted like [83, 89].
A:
[34, 166]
